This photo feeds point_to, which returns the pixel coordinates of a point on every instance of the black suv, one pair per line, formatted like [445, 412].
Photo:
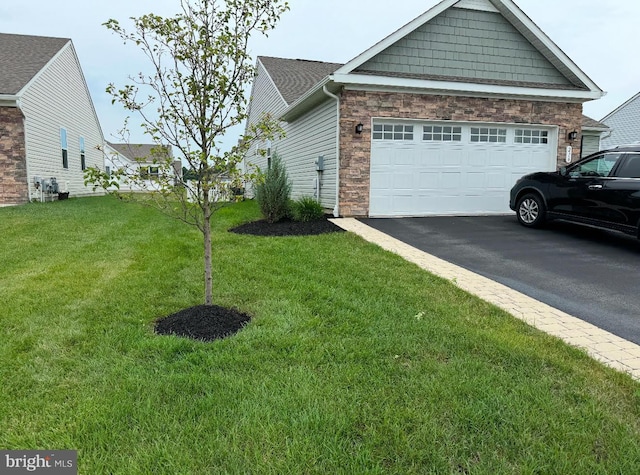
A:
[600, 190]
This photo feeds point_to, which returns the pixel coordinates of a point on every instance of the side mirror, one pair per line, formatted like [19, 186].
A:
[563, 171]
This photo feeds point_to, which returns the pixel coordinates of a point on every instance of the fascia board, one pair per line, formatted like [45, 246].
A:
[397, 36]
[459, 87]
[545, 41]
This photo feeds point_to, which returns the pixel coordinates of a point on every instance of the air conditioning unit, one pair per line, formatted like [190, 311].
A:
[50, 185]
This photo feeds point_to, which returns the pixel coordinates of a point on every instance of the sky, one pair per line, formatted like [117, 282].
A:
[600, 37]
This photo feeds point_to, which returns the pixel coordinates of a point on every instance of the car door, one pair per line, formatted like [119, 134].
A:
[621, 192]
[588, 188]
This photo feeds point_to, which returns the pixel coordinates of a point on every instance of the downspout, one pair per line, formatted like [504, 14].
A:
[605, 137]
[336, 209]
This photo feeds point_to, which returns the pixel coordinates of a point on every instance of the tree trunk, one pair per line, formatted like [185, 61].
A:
[208, 273]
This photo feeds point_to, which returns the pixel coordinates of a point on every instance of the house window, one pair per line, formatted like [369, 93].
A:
[436, 133]
[149, 173]
[107, 170]
[83, 164]
[532, 136]
[486, 134]
[392, 132]
[268, 154]
[63, 145]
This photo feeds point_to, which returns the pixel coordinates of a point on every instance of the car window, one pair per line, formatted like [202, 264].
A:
[630, 168]
[597, 166]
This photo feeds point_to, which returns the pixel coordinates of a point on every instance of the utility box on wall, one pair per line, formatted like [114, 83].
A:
[320, 164]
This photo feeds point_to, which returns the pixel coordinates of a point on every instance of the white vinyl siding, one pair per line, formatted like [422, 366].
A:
[310, 136]
[624, 124]
[265, 98]
[58, 98]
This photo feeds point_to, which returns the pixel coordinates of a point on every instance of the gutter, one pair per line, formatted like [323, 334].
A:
[336, 208]
[9, 100]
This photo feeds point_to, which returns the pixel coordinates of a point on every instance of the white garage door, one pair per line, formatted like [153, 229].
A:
[425, 168]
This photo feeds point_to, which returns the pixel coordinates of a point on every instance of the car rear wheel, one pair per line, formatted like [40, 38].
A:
[531, 210]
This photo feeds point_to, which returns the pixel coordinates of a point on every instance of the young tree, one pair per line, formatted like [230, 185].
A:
[201, 68]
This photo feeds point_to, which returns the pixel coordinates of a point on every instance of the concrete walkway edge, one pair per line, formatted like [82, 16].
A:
[605, 347]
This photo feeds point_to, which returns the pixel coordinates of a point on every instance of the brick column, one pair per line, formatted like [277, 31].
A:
[13, 158]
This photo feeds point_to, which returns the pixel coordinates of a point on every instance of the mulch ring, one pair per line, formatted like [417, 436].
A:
[287, 227]
[203, 322]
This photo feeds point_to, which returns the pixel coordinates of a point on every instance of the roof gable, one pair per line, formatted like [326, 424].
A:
[467, 45]
[630, 103]
[441, 25]
[22, 57]
[294, 77]
[142, 152]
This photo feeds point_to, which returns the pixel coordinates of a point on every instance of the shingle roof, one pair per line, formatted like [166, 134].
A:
[294, 77]
[589, 123]
[22, 57]
[139, 152]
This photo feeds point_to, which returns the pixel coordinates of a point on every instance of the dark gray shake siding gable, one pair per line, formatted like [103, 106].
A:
[469, 45]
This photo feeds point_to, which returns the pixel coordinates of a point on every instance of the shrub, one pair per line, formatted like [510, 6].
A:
[307, 209]
[272, 190]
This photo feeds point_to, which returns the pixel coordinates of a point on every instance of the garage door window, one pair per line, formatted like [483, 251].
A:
[479, 134]
[436, 133]
[392, 132]
[532, 136]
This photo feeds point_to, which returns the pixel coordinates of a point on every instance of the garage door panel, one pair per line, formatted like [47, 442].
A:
[380, 181]
[418, 178]
[478, 159]
[452, 158]
[500, 158]
[476, 181]
[429, 180]
[450, 180]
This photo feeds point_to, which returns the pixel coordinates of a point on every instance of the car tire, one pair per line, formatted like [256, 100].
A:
[531, 210]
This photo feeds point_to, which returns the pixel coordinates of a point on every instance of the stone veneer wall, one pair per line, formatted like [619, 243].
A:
[361, 106]
[13, 158]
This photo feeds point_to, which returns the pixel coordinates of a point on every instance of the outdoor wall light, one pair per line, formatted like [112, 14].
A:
[359, 128]
[572, 136]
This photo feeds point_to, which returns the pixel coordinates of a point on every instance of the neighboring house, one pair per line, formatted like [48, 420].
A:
[624, 123]
[49, 130]
[439, 118]
[592, 130]
[142, 161]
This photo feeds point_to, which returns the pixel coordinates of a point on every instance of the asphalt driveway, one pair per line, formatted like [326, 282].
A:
[591, 274]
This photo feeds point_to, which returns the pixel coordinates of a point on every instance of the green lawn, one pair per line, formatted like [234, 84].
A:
[356, 362]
